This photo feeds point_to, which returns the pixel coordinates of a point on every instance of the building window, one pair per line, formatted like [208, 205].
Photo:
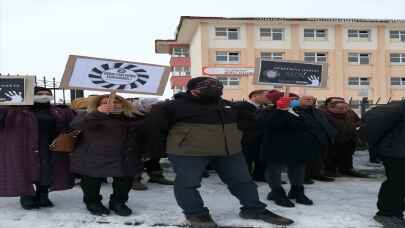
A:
[180, 52]
[398, 82]
[359, 35]
[227, 33]
[271, 33]
[396, 35]
[315, 57]
[359, 82]
[228, 57]
[181, 71]
[359, 58]
[315, 34]
[271, 55]
[397, 58]
[178, 89]
[230, 81]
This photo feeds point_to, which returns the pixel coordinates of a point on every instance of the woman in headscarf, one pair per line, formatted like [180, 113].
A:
[29, 169]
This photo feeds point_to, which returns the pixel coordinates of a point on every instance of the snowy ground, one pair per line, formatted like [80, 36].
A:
[346, 203]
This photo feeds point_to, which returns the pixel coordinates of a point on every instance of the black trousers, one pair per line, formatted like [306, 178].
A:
[296, 173]
[91, 189]
[256, 166]
[392, 192]
[153, 165]
[340, 157]
[316, 168]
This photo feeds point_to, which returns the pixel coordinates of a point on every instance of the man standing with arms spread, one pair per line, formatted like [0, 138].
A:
[201, 129]
[251, 139]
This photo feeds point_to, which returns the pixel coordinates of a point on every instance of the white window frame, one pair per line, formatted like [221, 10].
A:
[228, 55]
[181, 71]
[227, 80]
[316, 34]
[271, 55]
[183, 52]
[271, 33]
[360, 82]
[358, 34]
[317, 56]
[401, 58]
[358, 56]
[400, 38]
[401, 81]
[226, 31]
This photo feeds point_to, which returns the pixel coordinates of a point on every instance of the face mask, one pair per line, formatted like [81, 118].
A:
[294, 103]
[43, 99]
[211, 92]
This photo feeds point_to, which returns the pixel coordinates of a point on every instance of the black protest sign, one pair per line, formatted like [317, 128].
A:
[289, 73]
[15, 90]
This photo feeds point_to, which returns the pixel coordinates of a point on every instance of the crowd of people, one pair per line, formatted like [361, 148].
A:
[244, 142]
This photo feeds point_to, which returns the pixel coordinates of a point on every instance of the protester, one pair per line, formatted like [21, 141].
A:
[384, 130]
[201, 129]
[106, 148]
[152, 166]
[287, 141]
[340, 156]
[251, 140]
[32, 169]
[324, 132]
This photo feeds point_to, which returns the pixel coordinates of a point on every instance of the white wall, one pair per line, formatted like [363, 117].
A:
[196, 53]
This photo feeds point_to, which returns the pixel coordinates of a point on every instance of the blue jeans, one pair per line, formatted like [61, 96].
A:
[231, 169]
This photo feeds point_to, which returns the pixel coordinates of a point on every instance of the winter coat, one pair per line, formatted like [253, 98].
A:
[248, 114]
[195, 128]
[106, 147]
[383, 128]
[286, 138]
[318, 125]
[19, 147]
[346, 128]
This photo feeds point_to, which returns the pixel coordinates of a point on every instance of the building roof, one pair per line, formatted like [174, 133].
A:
[163, 46]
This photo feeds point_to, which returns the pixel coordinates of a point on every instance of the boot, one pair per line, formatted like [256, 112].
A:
[120, 208]
[280, 198]
[390, 221]
[297, 193]
[138, 185]
[266, 216]
[97, 208]
[42, 195]
[354, 173]
[158, 178]
[29, 202]
[323, 178]
[201, 221]
[308, 181]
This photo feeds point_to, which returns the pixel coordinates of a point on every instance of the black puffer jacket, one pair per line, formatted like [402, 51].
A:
[384, 129]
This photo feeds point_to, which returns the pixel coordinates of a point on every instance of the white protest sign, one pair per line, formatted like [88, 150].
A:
[114, 75]
[16, 90]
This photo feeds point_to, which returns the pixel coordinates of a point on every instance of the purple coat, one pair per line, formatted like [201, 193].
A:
[19, 157]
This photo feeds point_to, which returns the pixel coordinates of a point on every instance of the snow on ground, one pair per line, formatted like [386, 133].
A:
[346, 203]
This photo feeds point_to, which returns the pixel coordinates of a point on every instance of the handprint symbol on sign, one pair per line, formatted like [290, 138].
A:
[314, 80]
[15, 96]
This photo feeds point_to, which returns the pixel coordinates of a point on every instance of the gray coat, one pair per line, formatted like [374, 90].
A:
[106, 147]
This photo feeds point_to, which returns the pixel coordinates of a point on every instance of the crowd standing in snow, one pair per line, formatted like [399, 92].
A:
[244, 142]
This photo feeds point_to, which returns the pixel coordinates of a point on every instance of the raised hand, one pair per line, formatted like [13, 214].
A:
[15, 96]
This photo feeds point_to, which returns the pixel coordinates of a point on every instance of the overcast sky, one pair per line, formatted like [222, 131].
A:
[36, 36]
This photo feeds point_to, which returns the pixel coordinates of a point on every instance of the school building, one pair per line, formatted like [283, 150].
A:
[364, 57]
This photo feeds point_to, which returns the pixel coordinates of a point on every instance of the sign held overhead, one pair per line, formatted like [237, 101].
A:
[291, 73]
[16, 90]
[114, 75]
